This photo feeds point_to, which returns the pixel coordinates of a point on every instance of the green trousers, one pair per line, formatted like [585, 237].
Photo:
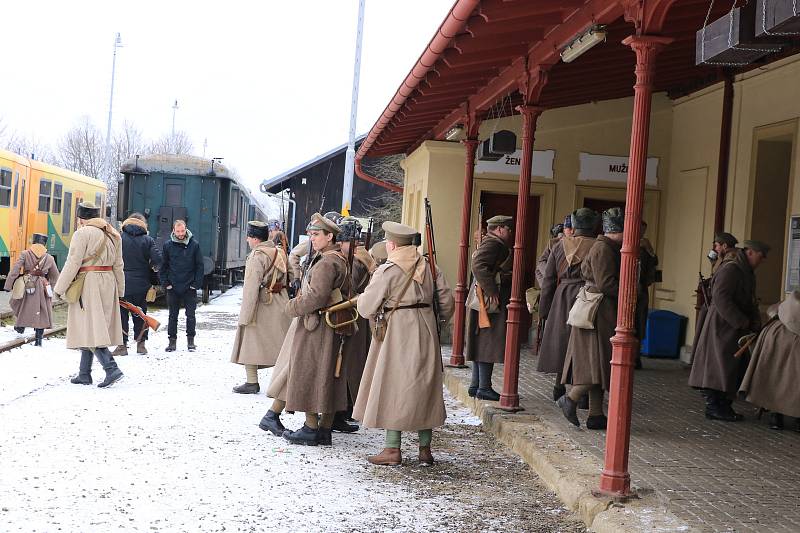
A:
[393, 437]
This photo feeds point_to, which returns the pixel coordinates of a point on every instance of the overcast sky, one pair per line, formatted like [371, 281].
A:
[266, 83]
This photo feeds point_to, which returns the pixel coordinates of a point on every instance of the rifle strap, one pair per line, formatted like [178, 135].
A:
[397, 297]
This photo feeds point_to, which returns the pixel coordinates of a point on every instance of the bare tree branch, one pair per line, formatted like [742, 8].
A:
[389, 204]
[180, 143]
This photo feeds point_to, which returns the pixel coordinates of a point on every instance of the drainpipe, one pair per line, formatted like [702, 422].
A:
[372, 179]
[724, 152]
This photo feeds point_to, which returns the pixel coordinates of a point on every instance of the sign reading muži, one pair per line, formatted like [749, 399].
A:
[613, 168]
[541, 166]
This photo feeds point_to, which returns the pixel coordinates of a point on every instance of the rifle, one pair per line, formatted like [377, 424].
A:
[432, 261]
[345, 328]
[368, 239]
[704, 290]
[151, 322]
[483, 314]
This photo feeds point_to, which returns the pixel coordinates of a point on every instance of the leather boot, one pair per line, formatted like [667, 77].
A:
[39, 336]
[583, 403]
[122, 349]
[472, 391]
[19, 330]
[425, 456]
[388, 457]
[324, 436]
[305, 435]
[775, 421]
[596, 422]
[717, 407]
[569, 408]
[247, 388]
[140, 348]
[487, 394]
[272, 422]
[113, 373]
[190, 343]
[340, 424]
[84, 376]
[171, 346]
[558, 392]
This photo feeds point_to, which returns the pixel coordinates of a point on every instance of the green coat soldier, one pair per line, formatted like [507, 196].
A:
[262, 321]
[401, 389]
[732, 314]
[491, 266]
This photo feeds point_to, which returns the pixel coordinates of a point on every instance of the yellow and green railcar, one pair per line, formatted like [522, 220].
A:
[36, 197]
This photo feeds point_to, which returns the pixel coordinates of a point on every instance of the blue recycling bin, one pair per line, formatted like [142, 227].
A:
[663, 334]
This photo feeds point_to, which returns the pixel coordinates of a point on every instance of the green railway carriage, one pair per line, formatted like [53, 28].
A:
[215, 206]
[39, 198]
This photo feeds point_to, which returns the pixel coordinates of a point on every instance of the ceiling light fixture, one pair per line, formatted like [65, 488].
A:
[454, 133]
[594, 35]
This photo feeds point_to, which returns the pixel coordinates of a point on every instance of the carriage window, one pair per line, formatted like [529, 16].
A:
[5, 187]
[98, 200]
[44, 195]
[243, 211]
[234, 207]
[66, 220]
[16, 190]
[57, 188]
[22, 202]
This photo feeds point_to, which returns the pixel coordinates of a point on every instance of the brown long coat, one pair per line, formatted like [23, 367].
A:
[33, 310]
[560, 285]
[356, 347]
[310, 383]
[774, 371]
[262, 320]
[492, 260]
[402, 384]
[93, 321]
[588, 360]
[733, 313]
[541, 262]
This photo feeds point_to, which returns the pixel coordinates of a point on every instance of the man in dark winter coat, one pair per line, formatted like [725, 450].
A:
[142, 257]
[181, 276]
[732, 314]
[491, 266]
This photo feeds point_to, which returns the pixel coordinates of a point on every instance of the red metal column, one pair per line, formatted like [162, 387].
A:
[457, 358]
[509, 399]
[615, 479]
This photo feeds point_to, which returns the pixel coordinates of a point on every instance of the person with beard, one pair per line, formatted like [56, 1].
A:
[181, 275]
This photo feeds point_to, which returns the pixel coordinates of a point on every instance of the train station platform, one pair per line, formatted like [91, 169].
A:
[691, 474]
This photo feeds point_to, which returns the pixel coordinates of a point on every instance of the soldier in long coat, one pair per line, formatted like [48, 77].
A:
[93, 322]
[733, 313]
[588, 361]
[556, 233]
[311, 382]
[491, 266]
[648, 261]
[560, 285]
[774, 369]
[401, 389]
[262, 321]
[303, 249]
[34, 310]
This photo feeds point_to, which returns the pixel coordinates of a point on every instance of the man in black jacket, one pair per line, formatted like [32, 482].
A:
[181, 276]
[141, 256]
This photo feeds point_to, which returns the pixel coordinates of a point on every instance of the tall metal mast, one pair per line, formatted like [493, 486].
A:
[347, 189]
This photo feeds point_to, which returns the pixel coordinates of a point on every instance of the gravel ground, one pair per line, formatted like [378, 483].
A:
[170, 448]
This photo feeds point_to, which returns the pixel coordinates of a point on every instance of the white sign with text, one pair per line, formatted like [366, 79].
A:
[541, 166]
[613, 168]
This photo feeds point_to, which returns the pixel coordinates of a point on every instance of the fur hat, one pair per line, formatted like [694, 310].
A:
[613, 220]
[258, 230]
[789, 312]
[556, 229]
[333, 216]
[584, 219]
[349, 229]
[39, 238]
[87, 211]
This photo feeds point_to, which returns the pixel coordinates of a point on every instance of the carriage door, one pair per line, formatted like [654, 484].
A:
[172, 209]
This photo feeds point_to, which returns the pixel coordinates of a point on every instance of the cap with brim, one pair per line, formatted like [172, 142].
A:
[378, 251]
[39, 238]
[500, 220]
[757, 246]
[258, 230]
[400, 234]
[726, 238]
[87, 211]
[789, 312]
[320, 223]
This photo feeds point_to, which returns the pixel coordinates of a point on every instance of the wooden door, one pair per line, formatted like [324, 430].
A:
[506, 204]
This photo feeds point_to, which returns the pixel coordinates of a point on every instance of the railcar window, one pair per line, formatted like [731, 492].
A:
[16, 190]
[22, 202]
[5, 187]
[44, 195]
[57, 188]
[66, 220]
[172, 195]
[98, 200]
[234, 207]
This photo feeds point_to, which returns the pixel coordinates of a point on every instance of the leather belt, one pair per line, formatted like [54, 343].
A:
[278, 287]
[410, 306]
[95, 269]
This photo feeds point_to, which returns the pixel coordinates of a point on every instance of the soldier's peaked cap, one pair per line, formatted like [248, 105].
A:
[500, 220]
[87, 211]
[400, 234]
[320, 223]
[757, 246]
[726, 238]
[258, 229]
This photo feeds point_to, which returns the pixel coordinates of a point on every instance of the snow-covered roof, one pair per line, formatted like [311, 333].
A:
[175, 164]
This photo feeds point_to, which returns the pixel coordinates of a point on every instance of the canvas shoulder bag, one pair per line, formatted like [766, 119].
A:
[584, 311]
[75, 289]
[382, 320]
[18, 288]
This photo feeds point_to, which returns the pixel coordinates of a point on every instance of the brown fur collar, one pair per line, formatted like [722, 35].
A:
[136, 222]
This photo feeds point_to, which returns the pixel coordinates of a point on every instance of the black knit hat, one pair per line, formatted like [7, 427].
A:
[613, 220]
[87, 211]
[39, 238]
[258, 230]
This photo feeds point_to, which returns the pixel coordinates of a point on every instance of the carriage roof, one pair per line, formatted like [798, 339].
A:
[188, 165]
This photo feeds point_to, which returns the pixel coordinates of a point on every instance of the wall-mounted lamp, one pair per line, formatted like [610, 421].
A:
[593, 36]
[454, 133]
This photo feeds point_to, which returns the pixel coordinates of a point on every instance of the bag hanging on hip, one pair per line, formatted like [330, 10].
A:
[150, 297]
[474, 304]
[75, 289]
[18, 288]
[48, 289]
[381, 325]
[584, 311]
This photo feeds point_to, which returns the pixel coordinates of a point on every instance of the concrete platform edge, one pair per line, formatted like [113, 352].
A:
[566, 469]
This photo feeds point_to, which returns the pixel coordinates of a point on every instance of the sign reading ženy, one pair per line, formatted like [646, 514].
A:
[541, 166]
[613, 168]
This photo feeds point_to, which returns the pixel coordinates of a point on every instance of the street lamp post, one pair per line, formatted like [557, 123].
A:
[174, 109]
[117, 44]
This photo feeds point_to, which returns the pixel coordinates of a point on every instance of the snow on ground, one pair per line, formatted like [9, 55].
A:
[171, 448]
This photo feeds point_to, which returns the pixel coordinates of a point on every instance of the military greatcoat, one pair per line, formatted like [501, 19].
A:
[491, 263]
[401, 388]
[34, 310]
[262, 320]
[560, 285]
[310, 383]
[588, 359]
[733, 313]
[541, 262]
[356, 347]
[93, 321]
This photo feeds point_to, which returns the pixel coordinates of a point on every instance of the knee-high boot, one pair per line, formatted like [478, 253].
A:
[39, 336]
[84, 376]
[113, 373]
